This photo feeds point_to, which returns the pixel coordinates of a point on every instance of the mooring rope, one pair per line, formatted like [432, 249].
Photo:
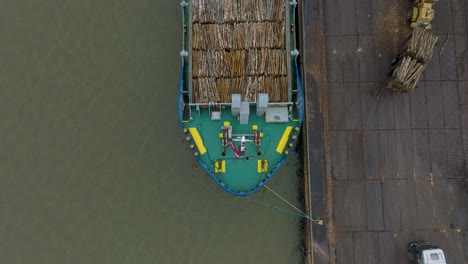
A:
[278, 208]
[279, 196]
[301, 214]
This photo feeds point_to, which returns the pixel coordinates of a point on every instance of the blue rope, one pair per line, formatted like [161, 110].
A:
[281, 209]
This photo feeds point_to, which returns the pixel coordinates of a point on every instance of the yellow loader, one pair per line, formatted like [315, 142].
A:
[421, 13]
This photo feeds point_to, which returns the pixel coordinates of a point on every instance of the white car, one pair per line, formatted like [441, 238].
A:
[425, 253]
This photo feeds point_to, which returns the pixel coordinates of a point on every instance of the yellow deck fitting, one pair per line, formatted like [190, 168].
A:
[254, 127]
[262, 166]
[198, 141]
[284, 139]
[221, 135]
[295, 120]
[226, 123]
[220, 166]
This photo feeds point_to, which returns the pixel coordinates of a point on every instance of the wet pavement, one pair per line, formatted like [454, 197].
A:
[387, 169]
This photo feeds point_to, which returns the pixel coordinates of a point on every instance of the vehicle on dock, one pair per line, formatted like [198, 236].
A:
[421, 13]
[425, 253]
[240, 101]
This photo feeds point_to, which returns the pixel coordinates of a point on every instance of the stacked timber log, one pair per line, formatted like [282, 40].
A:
[238, 36]
[238, 47]
[237, 11]
[236, 63]
[412, 61]
[220, 89]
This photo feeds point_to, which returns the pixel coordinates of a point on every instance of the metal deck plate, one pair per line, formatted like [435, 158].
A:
[276, 115]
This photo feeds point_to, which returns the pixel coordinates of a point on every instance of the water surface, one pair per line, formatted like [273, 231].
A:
[93, 168]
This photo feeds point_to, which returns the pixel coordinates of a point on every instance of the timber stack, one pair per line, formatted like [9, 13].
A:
[412, 62]
[239, 47]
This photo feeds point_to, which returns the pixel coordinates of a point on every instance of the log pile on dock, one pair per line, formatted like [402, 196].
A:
[238, 47]
[413, 61]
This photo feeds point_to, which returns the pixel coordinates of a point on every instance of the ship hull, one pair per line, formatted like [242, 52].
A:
[240, 134]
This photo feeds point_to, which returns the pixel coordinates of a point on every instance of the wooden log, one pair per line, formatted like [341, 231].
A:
[406, 75]
[232, 11]
[239, 46]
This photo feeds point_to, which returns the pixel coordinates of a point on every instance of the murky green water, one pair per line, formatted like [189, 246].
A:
[92, 164]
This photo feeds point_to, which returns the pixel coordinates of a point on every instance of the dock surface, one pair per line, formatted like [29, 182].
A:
[384, 169]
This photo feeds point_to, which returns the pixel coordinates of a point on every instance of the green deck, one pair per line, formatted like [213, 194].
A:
[241, 174]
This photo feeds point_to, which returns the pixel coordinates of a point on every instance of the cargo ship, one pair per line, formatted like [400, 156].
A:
[240, 98]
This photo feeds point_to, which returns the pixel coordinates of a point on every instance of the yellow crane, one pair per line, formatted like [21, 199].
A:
[421, 13]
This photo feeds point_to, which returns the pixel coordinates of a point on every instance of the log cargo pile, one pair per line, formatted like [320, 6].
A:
[238, 47]
[211, 89]
[412, 61]
[237, 63]
[238, 36]
[421, 45]
[237, 11]
[405, 77]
